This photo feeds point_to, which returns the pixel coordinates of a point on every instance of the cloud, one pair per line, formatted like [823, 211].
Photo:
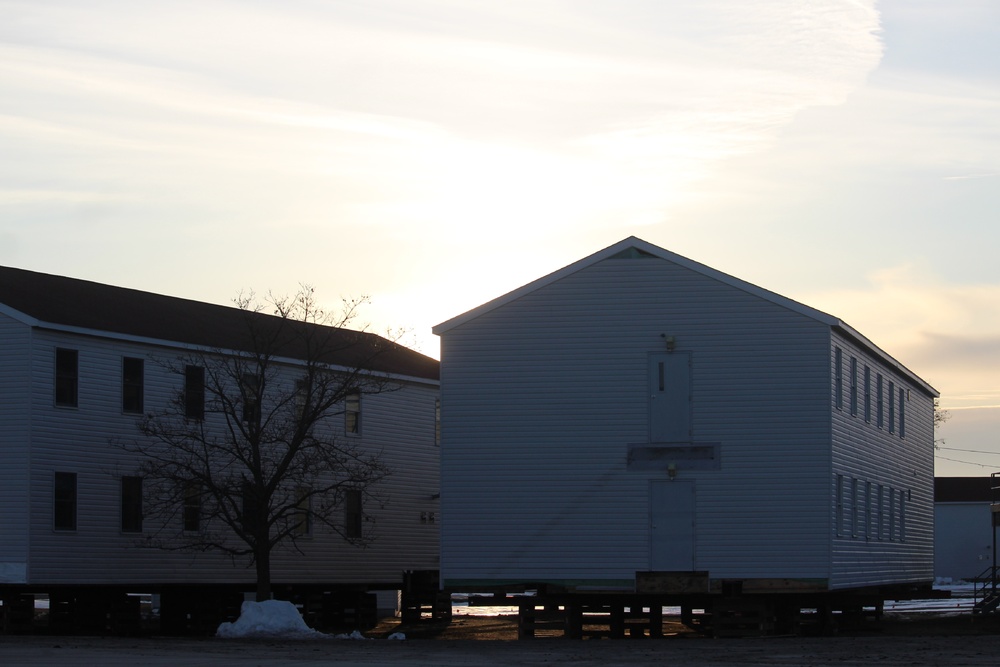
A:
[927, 324]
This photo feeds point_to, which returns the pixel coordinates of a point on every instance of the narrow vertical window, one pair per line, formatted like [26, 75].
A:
[67, 377]
[132, 385]
[303, 513]
[131, 498]
[352, 412]
[192, 507]
[902, 412]
[868, 510]
[892, 407]
[301, 398]
[879, 412]
[194, 392]
[250, 393]
[854, 507]
[839, 519]
[838, 378]
[251, 508]
[64, 501]
[353, 514]
[902, 515]
[868, 394]
[437, 422]
[892, 513]
[880, 530]
[854, 386]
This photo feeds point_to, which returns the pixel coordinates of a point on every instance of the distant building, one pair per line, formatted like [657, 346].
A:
[637, 411]
[963, 530]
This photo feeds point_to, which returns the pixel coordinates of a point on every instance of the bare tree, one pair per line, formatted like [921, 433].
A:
[245, 457]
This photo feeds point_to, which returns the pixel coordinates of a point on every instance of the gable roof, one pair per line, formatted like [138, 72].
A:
[636, 247]
[54, 302]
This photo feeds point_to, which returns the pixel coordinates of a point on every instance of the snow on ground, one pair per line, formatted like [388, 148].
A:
[268, 619]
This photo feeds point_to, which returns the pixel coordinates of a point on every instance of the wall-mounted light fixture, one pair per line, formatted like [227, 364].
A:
[670, 341]
[672, 470]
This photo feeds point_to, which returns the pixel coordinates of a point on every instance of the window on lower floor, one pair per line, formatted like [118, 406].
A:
[192, 507]
[131, 500]
[353, 514]
[64, 501]
[303, 515]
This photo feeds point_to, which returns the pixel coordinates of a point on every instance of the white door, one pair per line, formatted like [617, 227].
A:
[671, 517]
[670, 397]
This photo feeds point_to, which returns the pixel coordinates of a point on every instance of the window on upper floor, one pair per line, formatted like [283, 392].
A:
[892, 407]
[131, 504]
[67, 377]
[194, 392]
[250, 394]
[879, 402]
[902, 412]
[132, 385]
[868, 394]
[352, 412]
[437, 422]
[838, 378]
[854, 386]
[64, 501]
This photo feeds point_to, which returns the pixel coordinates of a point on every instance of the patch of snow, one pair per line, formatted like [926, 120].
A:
[353, 635]
[269, 619]
[397, 636]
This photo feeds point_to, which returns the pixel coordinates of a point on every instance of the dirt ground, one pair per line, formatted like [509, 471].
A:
[906, 640]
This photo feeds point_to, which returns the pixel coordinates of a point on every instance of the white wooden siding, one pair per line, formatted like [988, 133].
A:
[542, 396]
[863, 451]
[15, 347]
[400, 424]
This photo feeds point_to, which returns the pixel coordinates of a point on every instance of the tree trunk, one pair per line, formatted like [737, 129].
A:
[263, 561]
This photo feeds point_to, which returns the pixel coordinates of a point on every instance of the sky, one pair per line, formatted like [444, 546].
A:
[434, 154]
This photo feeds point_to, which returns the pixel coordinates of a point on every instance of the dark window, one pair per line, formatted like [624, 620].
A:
[854, 507]
[192, 506]
[64, 501]
[250, 507]
[250, 391]
[892, 513]
[868, 394]
[131, 504]
[838, 378]
[839, 521]
[854, 386]
[67, 376]
[879, 402]
[352, 412]
[902, 413]
[303, 516]
[892, 407]
[881, 512]
[903, 497]
[437, 421]
[194, 392]
[132, 382]
[353, 514]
